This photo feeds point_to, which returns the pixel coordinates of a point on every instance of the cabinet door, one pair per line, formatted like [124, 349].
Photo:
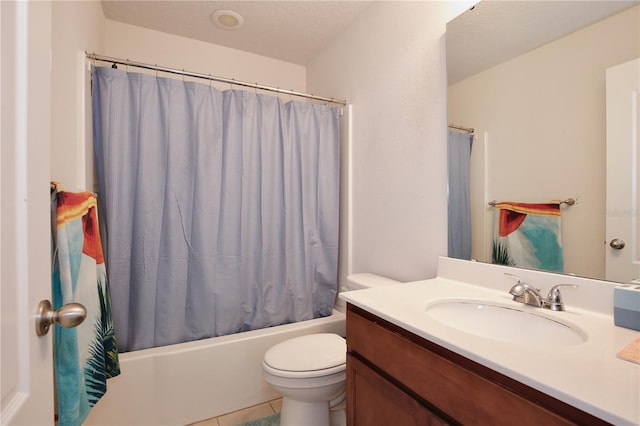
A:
[372, 400]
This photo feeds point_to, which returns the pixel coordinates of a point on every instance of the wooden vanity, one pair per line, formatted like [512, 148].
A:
[395, 377]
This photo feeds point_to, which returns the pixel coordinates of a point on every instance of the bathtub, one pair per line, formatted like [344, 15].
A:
[189, 382]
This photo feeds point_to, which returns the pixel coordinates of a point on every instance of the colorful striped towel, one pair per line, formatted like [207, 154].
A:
[528, 235]
[84, 356]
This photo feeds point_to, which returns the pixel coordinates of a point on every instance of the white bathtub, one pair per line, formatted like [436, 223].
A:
[188, 382]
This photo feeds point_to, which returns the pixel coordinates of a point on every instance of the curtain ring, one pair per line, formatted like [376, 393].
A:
[210, 79]
[156, 65]
[231, 84]
[255, 88]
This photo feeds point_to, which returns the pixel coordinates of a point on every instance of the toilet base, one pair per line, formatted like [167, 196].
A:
[338, 416]
[296, 413]
[302, 413]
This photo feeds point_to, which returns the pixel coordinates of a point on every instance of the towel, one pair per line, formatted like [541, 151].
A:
[84, 356]
[528, 235]
[631, 352]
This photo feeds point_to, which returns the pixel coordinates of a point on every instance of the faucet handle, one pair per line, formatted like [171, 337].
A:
[554, 298]
[520, 287]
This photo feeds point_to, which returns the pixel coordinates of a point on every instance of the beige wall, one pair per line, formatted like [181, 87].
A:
[540, 125]
[390, 65]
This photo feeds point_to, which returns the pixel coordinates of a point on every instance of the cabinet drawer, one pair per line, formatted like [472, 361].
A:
[372, 400]
[466, 391]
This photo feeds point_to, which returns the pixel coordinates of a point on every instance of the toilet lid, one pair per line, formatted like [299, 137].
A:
[308, 353]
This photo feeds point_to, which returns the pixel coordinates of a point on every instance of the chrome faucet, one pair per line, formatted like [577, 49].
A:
[525, 293]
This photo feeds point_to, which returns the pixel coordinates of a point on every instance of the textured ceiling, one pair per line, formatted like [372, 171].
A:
[495, 31]
[295, 31]
[292, 31]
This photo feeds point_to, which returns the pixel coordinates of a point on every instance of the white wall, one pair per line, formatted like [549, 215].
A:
[544, 115]
[77, 26]
[154, 47]
[390, 65]
[80, 26]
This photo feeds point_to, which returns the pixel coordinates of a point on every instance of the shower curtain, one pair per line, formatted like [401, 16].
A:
[220, 207]
[459, 209]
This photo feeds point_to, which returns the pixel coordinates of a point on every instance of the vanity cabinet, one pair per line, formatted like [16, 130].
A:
[378, 401]
[395, 377]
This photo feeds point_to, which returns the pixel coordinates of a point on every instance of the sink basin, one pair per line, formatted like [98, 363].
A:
[505, 323]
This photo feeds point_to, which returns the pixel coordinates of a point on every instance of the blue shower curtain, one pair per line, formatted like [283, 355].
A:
[459, 214]
[220, 207]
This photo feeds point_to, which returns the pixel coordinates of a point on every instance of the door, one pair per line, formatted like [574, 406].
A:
[623, 180]
[26, 367]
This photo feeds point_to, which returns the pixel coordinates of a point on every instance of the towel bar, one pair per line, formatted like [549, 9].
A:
[568, 201]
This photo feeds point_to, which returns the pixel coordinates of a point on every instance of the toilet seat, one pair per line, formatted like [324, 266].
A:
[309, 356]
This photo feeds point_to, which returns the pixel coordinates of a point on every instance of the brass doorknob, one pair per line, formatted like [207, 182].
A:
[68, 316]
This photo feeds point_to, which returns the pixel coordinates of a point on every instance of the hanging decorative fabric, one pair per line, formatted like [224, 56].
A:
[84, 356]
[221, 208]
[528, 235]
[459, 206]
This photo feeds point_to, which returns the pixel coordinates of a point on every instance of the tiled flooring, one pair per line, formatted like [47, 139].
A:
[245, 415]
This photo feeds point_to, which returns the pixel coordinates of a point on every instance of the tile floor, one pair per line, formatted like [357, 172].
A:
[250, 413]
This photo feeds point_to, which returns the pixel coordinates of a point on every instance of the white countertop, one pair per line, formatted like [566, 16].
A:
[588, 375]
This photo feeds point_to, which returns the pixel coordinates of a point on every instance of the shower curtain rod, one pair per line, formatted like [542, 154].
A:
[464, 129]
[231, 81]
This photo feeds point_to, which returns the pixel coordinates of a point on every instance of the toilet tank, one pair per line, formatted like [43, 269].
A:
[360, 282]
[366, 280]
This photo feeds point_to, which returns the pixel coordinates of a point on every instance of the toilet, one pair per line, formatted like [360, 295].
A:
[310, 371]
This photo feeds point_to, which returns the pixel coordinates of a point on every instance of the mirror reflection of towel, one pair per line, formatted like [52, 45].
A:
[528, 235]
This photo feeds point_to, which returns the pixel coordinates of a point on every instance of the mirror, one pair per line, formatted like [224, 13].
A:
[529, 78]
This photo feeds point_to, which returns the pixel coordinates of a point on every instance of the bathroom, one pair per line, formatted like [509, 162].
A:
[389, 64]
